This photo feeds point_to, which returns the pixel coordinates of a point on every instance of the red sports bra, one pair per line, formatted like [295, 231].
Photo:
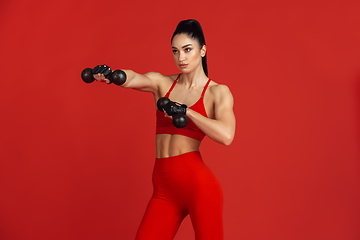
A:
[164, 124]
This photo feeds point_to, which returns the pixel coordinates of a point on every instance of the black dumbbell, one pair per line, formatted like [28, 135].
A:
[174, 109]
[117, 77]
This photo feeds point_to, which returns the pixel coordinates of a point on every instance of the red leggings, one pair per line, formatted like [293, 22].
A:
[183, 185]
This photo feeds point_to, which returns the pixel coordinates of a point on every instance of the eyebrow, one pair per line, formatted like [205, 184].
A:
[187, 45]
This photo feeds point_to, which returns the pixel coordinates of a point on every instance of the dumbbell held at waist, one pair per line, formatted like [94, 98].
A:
[176, 110]
[117, 77]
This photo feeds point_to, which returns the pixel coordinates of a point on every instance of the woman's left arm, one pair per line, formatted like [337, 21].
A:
[222, 128]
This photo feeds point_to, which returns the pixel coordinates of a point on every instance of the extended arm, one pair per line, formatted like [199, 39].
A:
[222, 128]
[148, 82]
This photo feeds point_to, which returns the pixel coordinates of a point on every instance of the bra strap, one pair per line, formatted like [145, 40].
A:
[172, 86]
[206, 86]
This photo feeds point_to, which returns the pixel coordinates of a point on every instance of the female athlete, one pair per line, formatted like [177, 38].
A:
[183, 184]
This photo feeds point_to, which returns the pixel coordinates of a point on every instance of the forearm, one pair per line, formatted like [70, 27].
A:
[131, 77]
[142, 82]
[221, 131]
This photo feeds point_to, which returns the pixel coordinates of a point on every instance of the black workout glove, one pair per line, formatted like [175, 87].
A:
[117, 77]
[106, 70]
[172, 108]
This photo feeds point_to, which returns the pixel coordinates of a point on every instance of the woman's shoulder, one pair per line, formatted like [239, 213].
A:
[220, 93]
[162, 82]
[217, 88]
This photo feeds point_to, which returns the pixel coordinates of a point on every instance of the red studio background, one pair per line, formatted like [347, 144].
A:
[76, 158]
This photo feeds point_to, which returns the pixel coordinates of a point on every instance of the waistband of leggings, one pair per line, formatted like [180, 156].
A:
[192, 153]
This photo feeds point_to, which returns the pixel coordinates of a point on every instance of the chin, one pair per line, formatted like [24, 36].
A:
[184, 70]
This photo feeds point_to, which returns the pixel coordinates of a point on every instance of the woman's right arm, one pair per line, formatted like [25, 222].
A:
[148, 82]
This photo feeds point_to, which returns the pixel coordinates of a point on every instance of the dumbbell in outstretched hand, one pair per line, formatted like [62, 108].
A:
[117, 77]
[174, 109]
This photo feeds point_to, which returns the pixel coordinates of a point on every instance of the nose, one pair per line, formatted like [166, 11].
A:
[182, 56]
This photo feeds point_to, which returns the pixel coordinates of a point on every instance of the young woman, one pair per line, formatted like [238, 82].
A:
[183, 184]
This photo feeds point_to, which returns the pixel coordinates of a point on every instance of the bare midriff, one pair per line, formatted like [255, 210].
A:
[169, 145]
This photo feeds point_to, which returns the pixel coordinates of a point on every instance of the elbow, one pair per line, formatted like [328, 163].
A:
[227, 140]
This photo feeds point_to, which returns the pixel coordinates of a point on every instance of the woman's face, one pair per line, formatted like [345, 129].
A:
[187, 53]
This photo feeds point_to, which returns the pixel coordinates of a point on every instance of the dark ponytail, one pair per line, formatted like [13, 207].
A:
[193, 29]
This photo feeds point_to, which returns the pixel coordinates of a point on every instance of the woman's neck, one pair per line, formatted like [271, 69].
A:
[193, 79]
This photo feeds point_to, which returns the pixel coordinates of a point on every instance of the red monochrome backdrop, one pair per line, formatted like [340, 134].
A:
[76, 158]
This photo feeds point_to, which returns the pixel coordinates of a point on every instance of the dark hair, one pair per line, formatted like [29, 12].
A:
[193, 29]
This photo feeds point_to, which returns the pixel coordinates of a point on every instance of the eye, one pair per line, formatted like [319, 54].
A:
[175, 51]
[187, 49]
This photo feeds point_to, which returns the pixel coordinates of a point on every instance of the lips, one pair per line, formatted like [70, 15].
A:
[183, 65]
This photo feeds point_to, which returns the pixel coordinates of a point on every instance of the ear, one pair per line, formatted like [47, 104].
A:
[203, 51]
